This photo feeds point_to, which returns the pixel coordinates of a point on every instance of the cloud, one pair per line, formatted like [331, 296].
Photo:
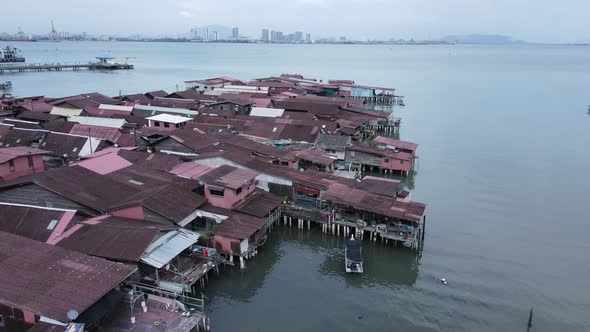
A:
[185, 13]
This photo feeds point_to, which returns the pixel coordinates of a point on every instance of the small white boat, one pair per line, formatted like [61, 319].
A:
[353, 258]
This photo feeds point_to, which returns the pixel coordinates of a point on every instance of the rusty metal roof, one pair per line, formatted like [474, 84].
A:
[228, 176]
[258, 204]
[49, 281]
[114, 238]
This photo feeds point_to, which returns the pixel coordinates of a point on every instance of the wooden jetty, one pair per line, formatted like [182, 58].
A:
[60, 67]
[103, 63]
[340, 222]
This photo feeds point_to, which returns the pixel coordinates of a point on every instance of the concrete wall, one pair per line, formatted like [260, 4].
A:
[230, 198]
[21, 167]
[395, 164]
[162, 125]
[226, 244]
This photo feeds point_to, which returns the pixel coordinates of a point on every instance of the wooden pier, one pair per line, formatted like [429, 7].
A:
[411, 238]
[383, 99]
[61, 67]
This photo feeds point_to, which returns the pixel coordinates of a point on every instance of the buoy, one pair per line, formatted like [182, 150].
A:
[443, 281]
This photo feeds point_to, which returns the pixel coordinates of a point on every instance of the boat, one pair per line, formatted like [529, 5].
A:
[6, 85]
[353, 259]
[11, 54]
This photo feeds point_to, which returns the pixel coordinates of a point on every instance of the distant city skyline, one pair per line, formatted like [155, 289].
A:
[373, 19]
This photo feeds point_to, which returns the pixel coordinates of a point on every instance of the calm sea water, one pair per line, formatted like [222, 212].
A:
[504, 159]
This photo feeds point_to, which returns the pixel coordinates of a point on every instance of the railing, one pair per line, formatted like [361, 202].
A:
[191, 302]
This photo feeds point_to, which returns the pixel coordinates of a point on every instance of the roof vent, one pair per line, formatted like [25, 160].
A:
[136, 182]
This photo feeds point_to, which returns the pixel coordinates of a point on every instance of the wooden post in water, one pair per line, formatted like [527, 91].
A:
[530, 323]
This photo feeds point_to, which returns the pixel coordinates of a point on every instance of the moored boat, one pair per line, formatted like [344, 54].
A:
[10, 55]
[6, 85]
[353, 257]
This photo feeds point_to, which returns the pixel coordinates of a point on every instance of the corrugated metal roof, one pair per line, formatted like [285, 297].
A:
[168, 246]
[65, 111]
[267, 112]
[116, 107]
[158, 109]
[95, 121]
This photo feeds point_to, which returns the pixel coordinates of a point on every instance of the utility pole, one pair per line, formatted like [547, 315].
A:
[90, 140]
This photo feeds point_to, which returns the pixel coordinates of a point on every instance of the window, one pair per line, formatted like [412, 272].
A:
[1, 321]
[285, 163]
[166, 124]
[386, 160]
[401, 162]
[216, 192]
[30, 159]
[11, 165]
[239, 191]
[156, 124]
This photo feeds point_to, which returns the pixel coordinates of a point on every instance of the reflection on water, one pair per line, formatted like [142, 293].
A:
[304, 252]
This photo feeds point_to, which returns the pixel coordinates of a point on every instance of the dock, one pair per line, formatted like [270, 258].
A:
[60, 67]
[103, 63]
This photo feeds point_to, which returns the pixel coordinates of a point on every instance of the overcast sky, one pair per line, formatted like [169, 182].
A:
[531, 20]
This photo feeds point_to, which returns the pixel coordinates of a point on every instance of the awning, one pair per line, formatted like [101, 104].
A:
[168, 245]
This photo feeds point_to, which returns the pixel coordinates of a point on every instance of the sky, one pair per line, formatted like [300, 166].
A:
[530, 20]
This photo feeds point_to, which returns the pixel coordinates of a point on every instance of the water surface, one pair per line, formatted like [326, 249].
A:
[504, 160]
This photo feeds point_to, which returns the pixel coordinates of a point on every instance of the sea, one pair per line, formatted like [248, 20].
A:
[504, 166]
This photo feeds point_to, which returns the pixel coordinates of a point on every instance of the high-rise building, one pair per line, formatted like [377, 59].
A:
[207, 34]
[298, 37]
[280, 36]
[215, 36]
[265, 36]
[273, 35]
[308, 37]
[235, 33]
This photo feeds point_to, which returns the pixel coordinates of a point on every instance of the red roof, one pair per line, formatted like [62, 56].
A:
[34, 222]
[190, 170]
[107, 162]
[7, 154]
[50, 281]
[315, 156]
[375, 203]
[228, 176]
[403, 145]
[110, 134]
[114, 238]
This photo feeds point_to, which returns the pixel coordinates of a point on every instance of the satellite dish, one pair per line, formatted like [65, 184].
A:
[72, 314]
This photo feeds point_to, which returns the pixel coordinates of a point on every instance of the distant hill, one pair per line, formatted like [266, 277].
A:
[480, 39]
